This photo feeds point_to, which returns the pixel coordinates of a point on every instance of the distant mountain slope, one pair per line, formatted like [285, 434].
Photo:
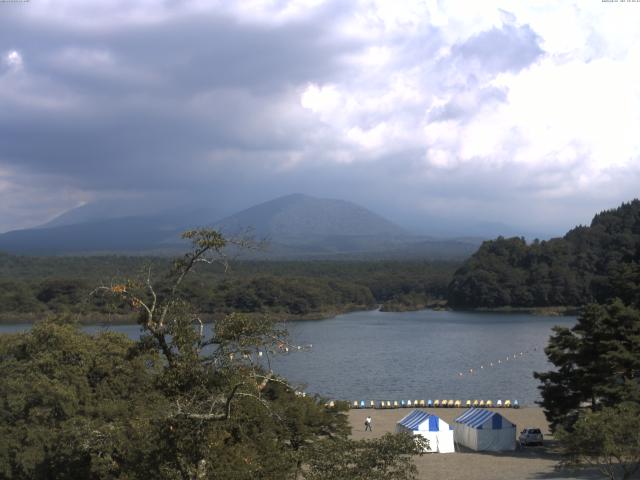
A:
[587, 264]
[296, 227]
[300, 216]
[152, 209]
[299, 226]
[130, 235]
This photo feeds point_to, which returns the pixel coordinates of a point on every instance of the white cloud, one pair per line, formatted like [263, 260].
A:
[541, 94]
[578, 104]
[13, 60]
[323, 100]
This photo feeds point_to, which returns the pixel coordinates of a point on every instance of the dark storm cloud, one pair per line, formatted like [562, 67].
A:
[149, 103]
[193, 51]
[207, 106]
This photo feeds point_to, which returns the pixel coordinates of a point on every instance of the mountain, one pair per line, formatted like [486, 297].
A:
[296, 226]
[124, 235]
[590, 263]
[111, 226]
[101, 210]
[300, 216]
[301, 226]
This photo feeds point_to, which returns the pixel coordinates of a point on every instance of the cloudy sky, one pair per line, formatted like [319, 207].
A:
[526, 113]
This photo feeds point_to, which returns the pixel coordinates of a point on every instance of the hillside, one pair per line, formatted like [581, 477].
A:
[295, 226]
[129, 234]
[303, 227]
[300, 217]
[587, 264]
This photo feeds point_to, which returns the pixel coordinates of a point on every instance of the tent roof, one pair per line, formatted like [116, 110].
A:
[416, 418]
[479, 417]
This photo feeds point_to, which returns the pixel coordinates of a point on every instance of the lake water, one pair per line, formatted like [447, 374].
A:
[413, 355]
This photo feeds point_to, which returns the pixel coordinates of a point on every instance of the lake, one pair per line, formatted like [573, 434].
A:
[413, 355]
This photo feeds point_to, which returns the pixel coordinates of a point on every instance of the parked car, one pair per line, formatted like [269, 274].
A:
[530, 436]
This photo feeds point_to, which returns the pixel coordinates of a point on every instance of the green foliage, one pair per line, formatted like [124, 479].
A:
[597, 363]
[72, 405]
[183, 402]
[608, 440]
[49, 285]
[596, 263]
[386, 458]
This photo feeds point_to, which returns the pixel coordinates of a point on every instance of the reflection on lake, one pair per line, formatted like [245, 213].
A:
[413, 355]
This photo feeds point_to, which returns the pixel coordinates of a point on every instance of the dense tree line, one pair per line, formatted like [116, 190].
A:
[589, 264]
[51, 285]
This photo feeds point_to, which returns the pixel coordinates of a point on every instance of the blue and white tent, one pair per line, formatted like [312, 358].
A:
[484, 430]
[431, 427]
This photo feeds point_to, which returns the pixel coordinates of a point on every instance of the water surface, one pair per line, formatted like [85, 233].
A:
[420, 355]
[413, 355]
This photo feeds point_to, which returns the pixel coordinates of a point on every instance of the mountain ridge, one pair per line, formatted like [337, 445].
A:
[299, 215]
[298, 226]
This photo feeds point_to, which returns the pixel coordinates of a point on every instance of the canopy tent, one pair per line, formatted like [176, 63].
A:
[484, 430]
[431, 427]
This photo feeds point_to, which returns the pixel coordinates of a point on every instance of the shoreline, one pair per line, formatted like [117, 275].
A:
[557, 311]
[94, 318]
[131, 319]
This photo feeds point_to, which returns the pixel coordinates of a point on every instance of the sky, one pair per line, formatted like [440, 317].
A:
[525, 113]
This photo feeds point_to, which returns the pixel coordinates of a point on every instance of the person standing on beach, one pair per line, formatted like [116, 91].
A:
[367, 424]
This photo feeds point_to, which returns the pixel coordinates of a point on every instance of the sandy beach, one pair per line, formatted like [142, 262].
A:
[524, 463]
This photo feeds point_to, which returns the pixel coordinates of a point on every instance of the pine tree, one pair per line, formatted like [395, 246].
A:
[597, 361]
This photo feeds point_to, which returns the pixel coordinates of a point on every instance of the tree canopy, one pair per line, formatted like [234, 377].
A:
[186, 401]
[608, 440]
[595, 263]
[32, 287]
[597, 363]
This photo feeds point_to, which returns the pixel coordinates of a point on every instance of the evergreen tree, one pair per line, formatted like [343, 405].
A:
[597, 363]
[608, 440]
[595, 263]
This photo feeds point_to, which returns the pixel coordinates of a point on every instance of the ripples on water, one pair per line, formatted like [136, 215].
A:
[419, 355]
[414, 355]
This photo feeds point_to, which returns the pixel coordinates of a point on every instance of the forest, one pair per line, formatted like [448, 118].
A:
[179, 403]
[592, 263]
[33, 287]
